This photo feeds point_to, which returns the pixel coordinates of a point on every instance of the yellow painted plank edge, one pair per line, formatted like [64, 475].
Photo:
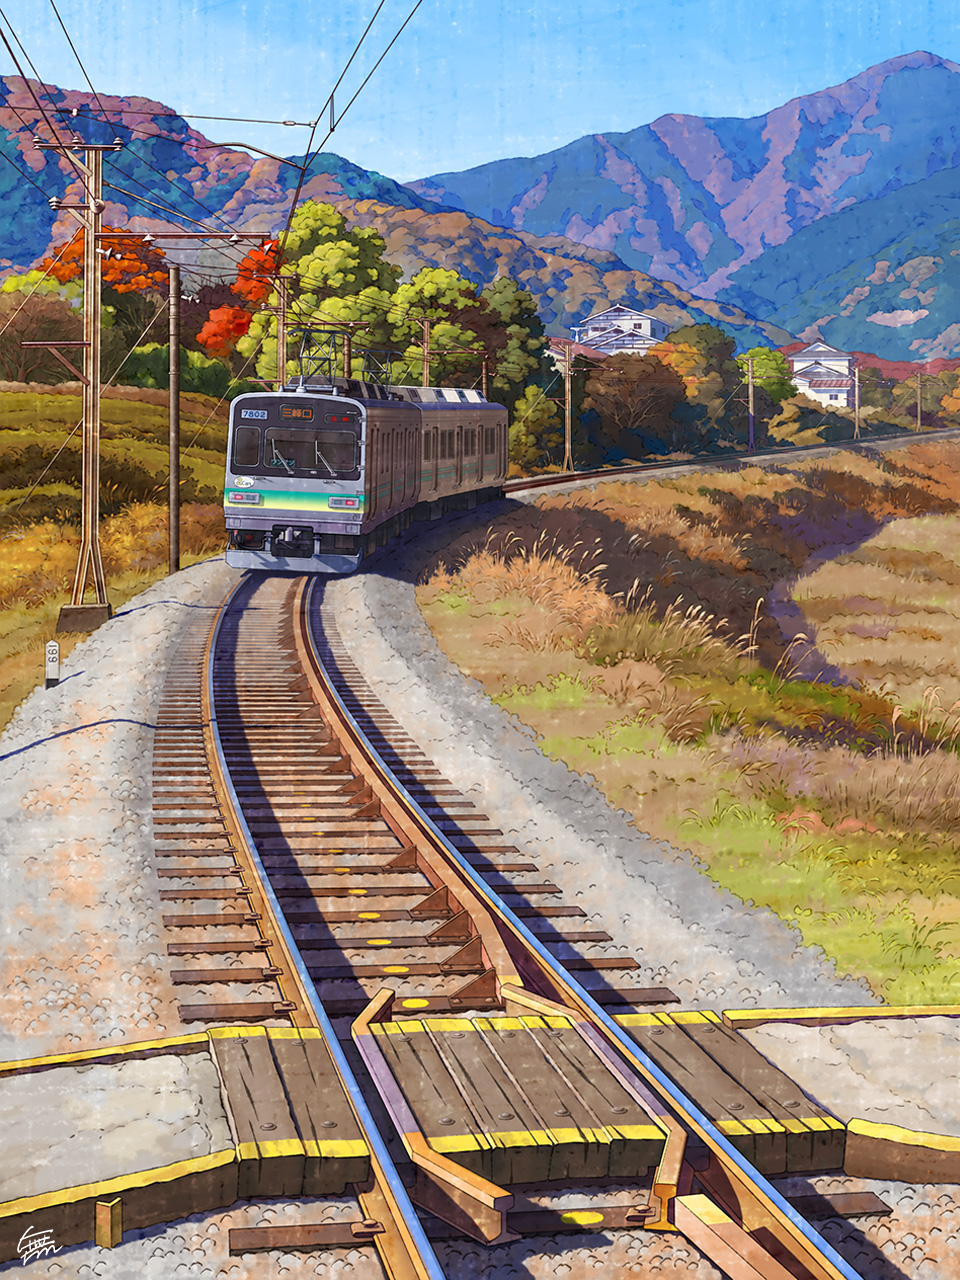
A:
[906, 1137]
[169, 1045]
[741, 1019]
[117, 1186]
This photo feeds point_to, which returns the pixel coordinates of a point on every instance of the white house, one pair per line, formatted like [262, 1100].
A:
[620, 328]
[823, 373]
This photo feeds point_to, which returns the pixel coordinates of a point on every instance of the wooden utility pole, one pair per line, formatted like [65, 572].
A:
[77, 616]
[485, 383]
[856, 402]
[281, 332]
[751, 440]
[919, 375]
[174, 505]
[426, 353]
[567, 408]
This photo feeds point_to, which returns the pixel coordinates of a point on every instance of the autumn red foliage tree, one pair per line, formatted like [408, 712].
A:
[223, 327]
[255, 273]
[129, 263]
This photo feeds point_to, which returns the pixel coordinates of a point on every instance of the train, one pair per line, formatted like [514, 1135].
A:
[322, 471]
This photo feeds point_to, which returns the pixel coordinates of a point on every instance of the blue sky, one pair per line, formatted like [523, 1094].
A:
[468, 80]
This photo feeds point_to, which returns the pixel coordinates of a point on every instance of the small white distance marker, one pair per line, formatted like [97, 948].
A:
[52, 663]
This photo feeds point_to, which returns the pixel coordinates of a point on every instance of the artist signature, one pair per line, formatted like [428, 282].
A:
[35, 1244]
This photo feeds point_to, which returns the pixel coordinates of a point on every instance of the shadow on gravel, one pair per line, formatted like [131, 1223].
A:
[154, 604]
[66, 733]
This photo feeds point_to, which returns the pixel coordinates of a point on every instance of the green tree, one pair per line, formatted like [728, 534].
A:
[459, 320]
[514, 311]
[873, 394]
[336, 273]
[536, 429]
[771, 370]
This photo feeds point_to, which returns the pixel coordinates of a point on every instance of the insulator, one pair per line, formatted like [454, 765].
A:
[54, 202]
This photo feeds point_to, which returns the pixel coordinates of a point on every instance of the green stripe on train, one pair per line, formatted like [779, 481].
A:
[290, 500]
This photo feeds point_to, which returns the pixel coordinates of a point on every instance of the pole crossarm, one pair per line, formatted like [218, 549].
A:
[52, 347]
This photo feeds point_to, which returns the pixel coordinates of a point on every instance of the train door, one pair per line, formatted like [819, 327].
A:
[459, 442]
[373, 470]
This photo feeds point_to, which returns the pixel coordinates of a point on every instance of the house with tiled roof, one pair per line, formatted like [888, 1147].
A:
[620, 328]
[824, 373]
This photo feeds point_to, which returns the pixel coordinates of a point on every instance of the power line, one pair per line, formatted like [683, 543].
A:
[153, 319]
[103, 112]
[190, 115]
[307, 159]
[14, 165]
[79, 62]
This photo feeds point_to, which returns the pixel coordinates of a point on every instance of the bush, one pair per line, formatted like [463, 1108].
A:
[149, 366]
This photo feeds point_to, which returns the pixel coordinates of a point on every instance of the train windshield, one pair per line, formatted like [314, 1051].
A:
[312, 453]
[278, 436]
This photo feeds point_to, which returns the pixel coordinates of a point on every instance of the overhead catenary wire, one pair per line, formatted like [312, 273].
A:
[57, 111]
[73, 48]
[307, 159]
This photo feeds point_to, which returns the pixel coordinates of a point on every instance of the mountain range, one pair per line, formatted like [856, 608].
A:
[167, 165]
[832, 216]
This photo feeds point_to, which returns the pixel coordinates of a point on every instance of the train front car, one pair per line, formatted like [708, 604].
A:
[293, 495]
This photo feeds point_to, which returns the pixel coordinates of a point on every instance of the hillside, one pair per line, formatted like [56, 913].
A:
[171, 164]
[569, 281]
[164, 161]
[863, 170]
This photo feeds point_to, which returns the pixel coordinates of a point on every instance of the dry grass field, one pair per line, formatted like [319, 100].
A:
[40, 507]
[759, 666]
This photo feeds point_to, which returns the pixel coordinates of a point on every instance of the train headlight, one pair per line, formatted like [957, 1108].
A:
[344, 502]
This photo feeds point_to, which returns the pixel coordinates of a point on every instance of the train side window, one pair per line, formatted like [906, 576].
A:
[427, 441]
[489, 440]
[246, 446]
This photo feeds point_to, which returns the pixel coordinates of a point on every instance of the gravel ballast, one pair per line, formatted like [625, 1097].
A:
[82, 960]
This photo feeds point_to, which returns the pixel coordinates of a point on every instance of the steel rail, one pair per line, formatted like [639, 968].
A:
[705, 462]
[404, 1249]
[761, 1205]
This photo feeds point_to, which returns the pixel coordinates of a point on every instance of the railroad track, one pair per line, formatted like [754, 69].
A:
[362, 940]
[720, 463]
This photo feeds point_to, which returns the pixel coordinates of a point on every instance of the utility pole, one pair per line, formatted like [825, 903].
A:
[281, 332]
[751, 441]
[486, 364]
[567, 417]
[76, 616]
[919, 375]
[426, 353]
[174, 505]
[856, 402]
